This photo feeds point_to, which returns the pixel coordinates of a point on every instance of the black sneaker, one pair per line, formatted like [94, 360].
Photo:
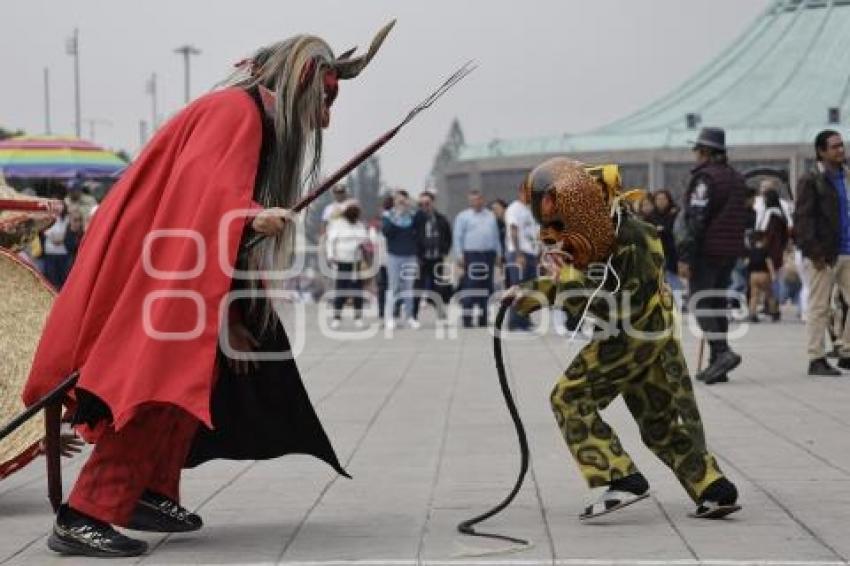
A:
[718, 500]
[844, 363]
[722, 378]
[820, 367]
[79, 535]
[157, 513]
[620, 493]
[700, 376]
[723, 364]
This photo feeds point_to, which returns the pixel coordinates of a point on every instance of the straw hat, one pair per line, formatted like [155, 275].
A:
[26, 300]
[18, 227]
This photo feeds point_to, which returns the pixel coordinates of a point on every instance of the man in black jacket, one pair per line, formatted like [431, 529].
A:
[822, 228]
[433, 243]
[713, 239]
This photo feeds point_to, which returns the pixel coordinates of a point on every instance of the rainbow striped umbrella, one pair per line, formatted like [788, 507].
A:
[56, 157]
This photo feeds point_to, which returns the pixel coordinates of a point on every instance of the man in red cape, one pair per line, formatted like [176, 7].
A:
[147, 312]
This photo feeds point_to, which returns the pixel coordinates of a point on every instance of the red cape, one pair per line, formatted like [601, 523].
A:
[198, 167]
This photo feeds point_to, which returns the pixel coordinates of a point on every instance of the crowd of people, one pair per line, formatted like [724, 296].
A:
[54, 251]
[731, 246]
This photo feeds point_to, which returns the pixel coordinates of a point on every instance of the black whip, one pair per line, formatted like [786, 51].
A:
[467, 527]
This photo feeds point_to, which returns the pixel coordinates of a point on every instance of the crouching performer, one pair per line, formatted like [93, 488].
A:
[601, 261]
[171, 371]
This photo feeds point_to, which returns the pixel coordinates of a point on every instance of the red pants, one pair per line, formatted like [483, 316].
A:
[148, 453]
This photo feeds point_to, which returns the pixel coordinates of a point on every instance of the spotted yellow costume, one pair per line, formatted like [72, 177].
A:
[635, 350]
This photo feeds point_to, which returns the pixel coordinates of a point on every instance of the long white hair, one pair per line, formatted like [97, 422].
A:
[294, 70]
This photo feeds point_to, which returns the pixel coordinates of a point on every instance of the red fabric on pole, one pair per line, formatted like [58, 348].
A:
[148, 453]
[198, 167]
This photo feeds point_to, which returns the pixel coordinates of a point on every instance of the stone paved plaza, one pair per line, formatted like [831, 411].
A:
[419, 422]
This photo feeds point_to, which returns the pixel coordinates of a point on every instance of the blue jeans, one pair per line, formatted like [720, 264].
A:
[401, 275]
[513, 276]
[56, 268]
[477, 279]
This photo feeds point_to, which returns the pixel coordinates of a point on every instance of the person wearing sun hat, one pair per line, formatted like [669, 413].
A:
[27, 298]
[712, 240]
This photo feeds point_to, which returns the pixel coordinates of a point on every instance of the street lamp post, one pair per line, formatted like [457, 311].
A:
[150, 87]
[187, 51]
[47, 129]
[73, 49]
[143, 133]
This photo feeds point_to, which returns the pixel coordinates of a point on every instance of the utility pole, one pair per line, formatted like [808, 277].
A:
[73, 49]
[150, 88]
[47, 102]
[187, 51]
[143, 133]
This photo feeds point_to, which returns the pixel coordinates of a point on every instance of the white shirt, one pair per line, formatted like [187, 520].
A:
[56, 233]
[345, 239]
[519, 215]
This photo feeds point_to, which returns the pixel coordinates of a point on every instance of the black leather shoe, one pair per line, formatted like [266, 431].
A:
[78, 535]
[723, 364]
[722, 378]
[700, 376]
[157, 513]
[821, 367]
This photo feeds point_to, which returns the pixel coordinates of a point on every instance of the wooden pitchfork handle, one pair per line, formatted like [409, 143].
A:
[52, 405]
[700, 353]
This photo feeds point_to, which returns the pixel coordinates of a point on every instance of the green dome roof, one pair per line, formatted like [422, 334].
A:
[774, 85]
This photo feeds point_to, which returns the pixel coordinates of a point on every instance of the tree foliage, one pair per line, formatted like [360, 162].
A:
[5, 134]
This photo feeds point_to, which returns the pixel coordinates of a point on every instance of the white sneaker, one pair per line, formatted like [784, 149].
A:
[389, 324]
[335, 324]
[359, 324]
[414, 324]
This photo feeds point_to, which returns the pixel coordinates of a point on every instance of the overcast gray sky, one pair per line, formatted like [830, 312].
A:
[546, 67]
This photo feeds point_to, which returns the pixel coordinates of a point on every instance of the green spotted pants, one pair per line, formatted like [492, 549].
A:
[653, 379]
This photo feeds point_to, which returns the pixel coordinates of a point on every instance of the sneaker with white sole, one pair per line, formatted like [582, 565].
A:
[414, 324]
[718, 500]
[620, 493]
